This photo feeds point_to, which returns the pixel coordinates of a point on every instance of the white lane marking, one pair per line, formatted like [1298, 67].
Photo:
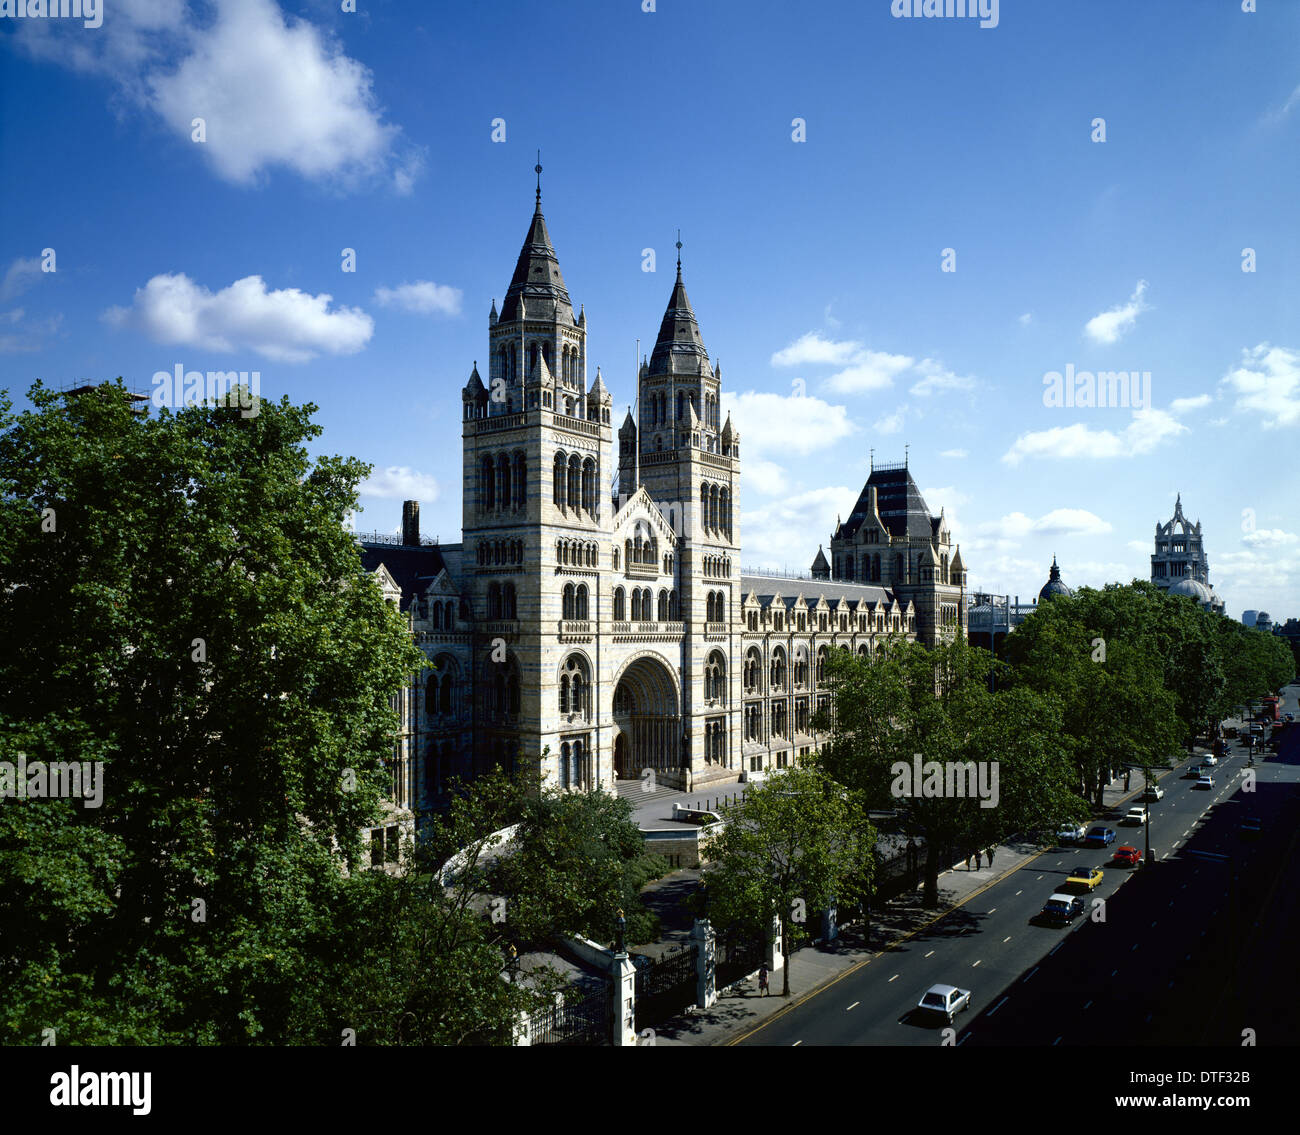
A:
[931, 952]
[1040, 876]
[1020, 892]
[1056, 1042]
[1031, 973]
[992, 909]
[998, 1006]
[1006, 939]
[853, 1006]
[975, 963]
[1055, 948]
[895, 977]
[1113, 972]
[796, 1044]
[1088, 1005]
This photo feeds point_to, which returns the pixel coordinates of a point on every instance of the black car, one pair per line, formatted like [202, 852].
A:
[1061, 910]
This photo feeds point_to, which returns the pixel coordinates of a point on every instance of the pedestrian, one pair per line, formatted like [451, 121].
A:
[991, 850]
[979, 862]
[969, 857]
[762, 980]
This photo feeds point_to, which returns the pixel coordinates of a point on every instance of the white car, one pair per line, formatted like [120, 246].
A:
[1135, 815]
[946, 1000]
[1153, 792]
[1210, 759]
[1072, 833]
[1206, 781]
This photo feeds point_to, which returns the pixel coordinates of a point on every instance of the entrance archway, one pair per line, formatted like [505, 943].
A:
[647, 714]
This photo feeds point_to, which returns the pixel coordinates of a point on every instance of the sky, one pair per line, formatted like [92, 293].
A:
[896, 229]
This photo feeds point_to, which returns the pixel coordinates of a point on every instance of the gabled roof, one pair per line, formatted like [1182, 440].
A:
[902, 509]
[408, 565]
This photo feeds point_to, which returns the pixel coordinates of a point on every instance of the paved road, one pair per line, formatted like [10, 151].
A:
[1148, 974]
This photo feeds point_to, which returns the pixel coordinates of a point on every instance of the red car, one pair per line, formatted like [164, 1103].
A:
[1127, 856]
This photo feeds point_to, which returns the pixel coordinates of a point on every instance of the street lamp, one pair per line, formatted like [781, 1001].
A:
[1148, 858]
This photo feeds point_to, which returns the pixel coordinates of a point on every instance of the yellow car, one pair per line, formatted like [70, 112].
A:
[1086, 877]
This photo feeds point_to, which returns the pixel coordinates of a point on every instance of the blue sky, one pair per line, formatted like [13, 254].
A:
[815, 267]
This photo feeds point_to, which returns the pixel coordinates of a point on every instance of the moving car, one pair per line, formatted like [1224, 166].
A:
[1135, 815]
[1101, 836]
[1127, 856]
[1086, 877]
[946, 1000]
[1061, 910]
[1210, 760]
[1205, 781]
[1153, 793]
[1192, 771]
[1072, 833]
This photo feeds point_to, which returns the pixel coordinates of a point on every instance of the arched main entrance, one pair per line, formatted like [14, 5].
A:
[647, 716]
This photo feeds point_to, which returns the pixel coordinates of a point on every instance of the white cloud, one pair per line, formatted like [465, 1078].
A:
[891, 423]
[1267, 385]
[25, 333]
[1144, 433]
[1110, 325]
[777, 425]
[423, 298]
[939, 378]
[1273, 117]
[785, 532]
[953, 453]
[1071, 522]
[870, 370]
[767, 478]
[1269, 538]
[813, 349]
[399, 482]
[1182, 405]
[274, 91]
[1143, 546]
[19, 276]
[286, 325]
[1026, 319]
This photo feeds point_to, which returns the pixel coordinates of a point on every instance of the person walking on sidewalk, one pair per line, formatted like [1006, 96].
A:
[762, 980]
[991, 850]
[979, 859]
[969, 857]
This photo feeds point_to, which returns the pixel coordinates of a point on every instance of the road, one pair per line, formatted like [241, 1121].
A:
[1170, 962]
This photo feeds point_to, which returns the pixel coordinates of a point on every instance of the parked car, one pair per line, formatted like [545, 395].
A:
[1086, 877]
[1127, 856]
[1072, 833]
[1135, 815]
[1153, 793]
[1100, 837]
[946, 1000]
[1061, 910]
[1205, 781]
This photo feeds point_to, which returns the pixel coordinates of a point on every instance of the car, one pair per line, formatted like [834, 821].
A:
[1086, 877]
[1210, 760]
[1061, 910]
[1290, 717]
[1100, 836]
[1206, 781]
[1135, 815]
[946, 1000]
[1153, 793]
[1192, 771]
[1072, 833]
[1251, 828]
[1127, 856]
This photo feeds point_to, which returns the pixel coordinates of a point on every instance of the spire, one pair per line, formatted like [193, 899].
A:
[537, 272]
[679, 348]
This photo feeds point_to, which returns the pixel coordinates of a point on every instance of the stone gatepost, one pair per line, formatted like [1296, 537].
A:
[623, 997]
[775, 955]
[705, 941]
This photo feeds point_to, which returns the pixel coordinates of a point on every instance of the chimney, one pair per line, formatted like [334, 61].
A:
[411, 523]
[871, 499]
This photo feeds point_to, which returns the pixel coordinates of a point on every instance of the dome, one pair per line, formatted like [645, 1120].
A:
[1054, 586]
[1196, 590]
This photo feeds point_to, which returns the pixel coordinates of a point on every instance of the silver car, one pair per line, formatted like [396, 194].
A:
[946, 1000]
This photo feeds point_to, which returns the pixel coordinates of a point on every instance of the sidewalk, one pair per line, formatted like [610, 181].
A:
[740, 1009]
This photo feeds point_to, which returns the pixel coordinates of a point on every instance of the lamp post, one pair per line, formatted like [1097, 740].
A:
[1148, 858]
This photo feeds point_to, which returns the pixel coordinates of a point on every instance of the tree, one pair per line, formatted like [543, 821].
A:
[180, 600]
[932, 708]
[798, 842]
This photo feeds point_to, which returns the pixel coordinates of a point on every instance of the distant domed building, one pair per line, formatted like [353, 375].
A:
[1055, 585]
[1179, 564]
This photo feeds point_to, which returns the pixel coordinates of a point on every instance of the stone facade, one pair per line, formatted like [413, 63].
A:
[1179, 564]
[601, 632]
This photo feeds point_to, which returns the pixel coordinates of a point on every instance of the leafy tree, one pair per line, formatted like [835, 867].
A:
[936, 704]
[179, 599]
[798, 842]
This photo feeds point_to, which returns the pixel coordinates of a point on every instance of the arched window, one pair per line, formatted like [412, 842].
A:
[437, 616]
[514, 694]
[532, 358]
[520, 482]
[508, 610]
[494, 600]
[558, 491]
[715, 672]
[580, 602]
[589, 485]
[875, 568]
[822, 653]
[672, 606]
[575, 687]
[899, 577]
[619, 614]
[663, 606]
[487, 484]
[725, 509]
[720, 607]
[575, 482]
[445, 702]
[778, 669]
[503, 481]
[564, 694]
[431, 695]
[449, 617]
[567, 605]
